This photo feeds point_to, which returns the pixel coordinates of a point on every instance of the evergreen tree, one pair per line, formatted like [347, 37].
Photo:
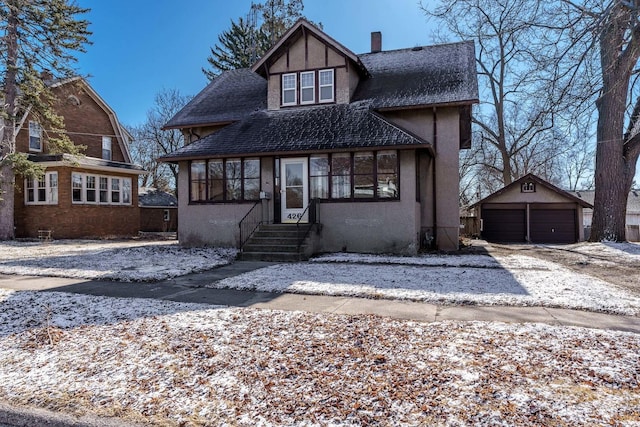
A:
[248, 39]
[238, 47]
[37, 35]
[278, 16]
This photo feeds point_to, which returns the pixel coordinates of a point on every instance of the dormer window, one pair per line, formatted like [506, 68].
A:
[35, 136]
[326, 86]
[289, 89]
[307, 87]
[310, 93]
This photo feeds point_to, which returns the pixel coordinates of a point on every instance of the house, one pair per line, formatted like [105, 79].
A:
[531, 210]
[158, 211]
[633, 213]
[363, 146]
[95, 195]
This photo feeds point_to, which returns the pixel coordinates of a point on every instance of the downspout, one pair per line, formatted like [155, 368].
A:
[433, 169]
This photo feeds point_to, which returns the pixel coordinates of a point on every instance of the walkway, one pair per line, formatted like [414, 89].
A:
[191, 289]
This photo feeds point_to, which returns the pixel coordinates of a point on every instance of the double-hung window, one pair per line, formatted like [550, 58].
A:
[90, 189]
[115, 190]
[35, 136]
[43, 191]
[307, 87]
[289, 89]
[326, 85]
[77, 184]
[106, 148]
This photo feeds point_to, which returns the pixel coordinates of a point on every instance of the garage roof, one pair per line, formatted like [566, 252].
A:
[533, 178]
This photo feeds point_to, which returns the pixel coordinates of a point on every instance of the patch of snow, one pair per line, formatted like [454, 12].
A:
[109, 260]
[509, 280]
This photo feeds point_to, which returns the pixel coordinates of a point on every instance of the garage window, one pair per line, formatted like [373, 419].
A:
[528, 187]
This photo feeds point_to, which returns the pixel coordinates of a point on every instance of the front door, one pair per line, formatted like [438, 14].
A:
[294, 195]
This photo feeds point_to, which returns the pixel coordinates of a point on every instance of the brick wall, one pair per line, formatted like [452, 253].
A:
[86, 122]
[72, 221]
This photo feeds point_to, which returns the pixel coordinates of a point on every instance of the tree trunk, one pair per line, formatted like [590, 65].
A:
[8, 135]
[7, 179]
[612, 183]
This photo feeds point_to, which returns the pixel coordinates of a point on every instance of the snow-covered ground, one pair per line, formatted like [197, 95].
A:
[451, 279]
[129, 260]
[169, 363]
[472, 279]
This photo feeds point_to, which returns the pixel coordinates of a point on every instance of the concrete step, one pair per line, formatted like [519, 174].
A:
[260, 247]
[273, 256]
[273, 240]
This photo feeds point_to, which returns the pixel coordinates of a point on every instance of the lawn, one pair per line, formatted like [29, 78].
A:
[185, 364]
[169, 363]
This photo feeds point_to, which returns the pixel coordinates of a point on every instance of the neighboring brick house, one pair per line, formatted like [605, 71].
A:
[95, 195]
[365, 145]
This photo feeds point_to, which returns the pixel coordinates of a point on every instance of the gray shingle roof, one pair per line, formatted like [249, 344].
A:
[320, 128]
[229, 97]
[633, 201]
[429, 75]
[154, 197]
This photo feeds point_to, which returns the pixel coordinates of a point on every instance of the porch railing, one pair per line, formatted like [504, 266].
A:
[313, 208]
[250, 223]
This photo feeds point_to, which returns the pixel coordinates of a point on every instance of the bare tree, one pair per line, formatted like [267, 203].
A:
[604, 36]
[519, 98]
[151, 142]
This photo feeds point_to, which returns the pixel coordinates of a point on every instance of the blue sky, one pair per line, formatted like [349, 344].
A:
[142, 46]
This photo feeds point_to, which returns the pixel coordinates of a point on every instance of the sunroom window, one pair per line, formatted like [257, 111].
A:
[365, 175]
[43, 190]
[220, 180]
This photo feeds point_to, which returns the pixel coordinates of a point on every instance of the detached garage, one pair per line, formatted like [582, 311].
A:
[531, 210]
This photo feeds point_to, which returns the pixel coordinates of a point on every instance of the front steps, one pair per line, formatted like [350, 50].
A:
[277, 242]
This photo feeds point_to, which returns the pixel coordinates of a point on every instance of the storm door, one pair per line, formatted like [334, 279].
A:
[294, 193]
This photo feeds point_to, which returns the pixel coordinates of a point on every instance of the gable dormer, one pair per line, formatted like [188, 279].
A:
[307, 67]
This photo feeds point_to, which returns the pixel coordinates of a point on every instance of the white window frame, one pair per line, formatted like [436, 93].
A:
[312, 87]
[50, 186]
[35, 133]
[332, 85]
[124, 190]
[289, 89]
[81, 188]
[106, 147]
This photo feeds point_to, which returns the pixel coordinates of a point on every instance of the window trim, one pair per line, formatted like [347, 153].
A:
[32, 127]
[225, 193]
[332, 85]
[295, 89]
[49, 190]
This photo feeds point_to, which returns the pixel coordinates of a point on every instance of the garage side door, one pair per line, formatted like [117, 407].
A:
[503, 225]
[553, 225]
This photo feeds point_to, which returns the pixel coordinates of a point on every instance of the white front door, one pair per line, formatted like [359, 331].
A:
[294, 193]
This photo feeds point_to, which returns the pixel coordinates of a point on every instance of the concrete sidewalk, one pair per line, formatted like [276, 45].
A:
[190, 289]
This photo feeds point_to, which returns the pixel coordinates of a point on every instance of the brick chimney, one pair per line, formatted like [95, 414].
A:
[376, 41]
